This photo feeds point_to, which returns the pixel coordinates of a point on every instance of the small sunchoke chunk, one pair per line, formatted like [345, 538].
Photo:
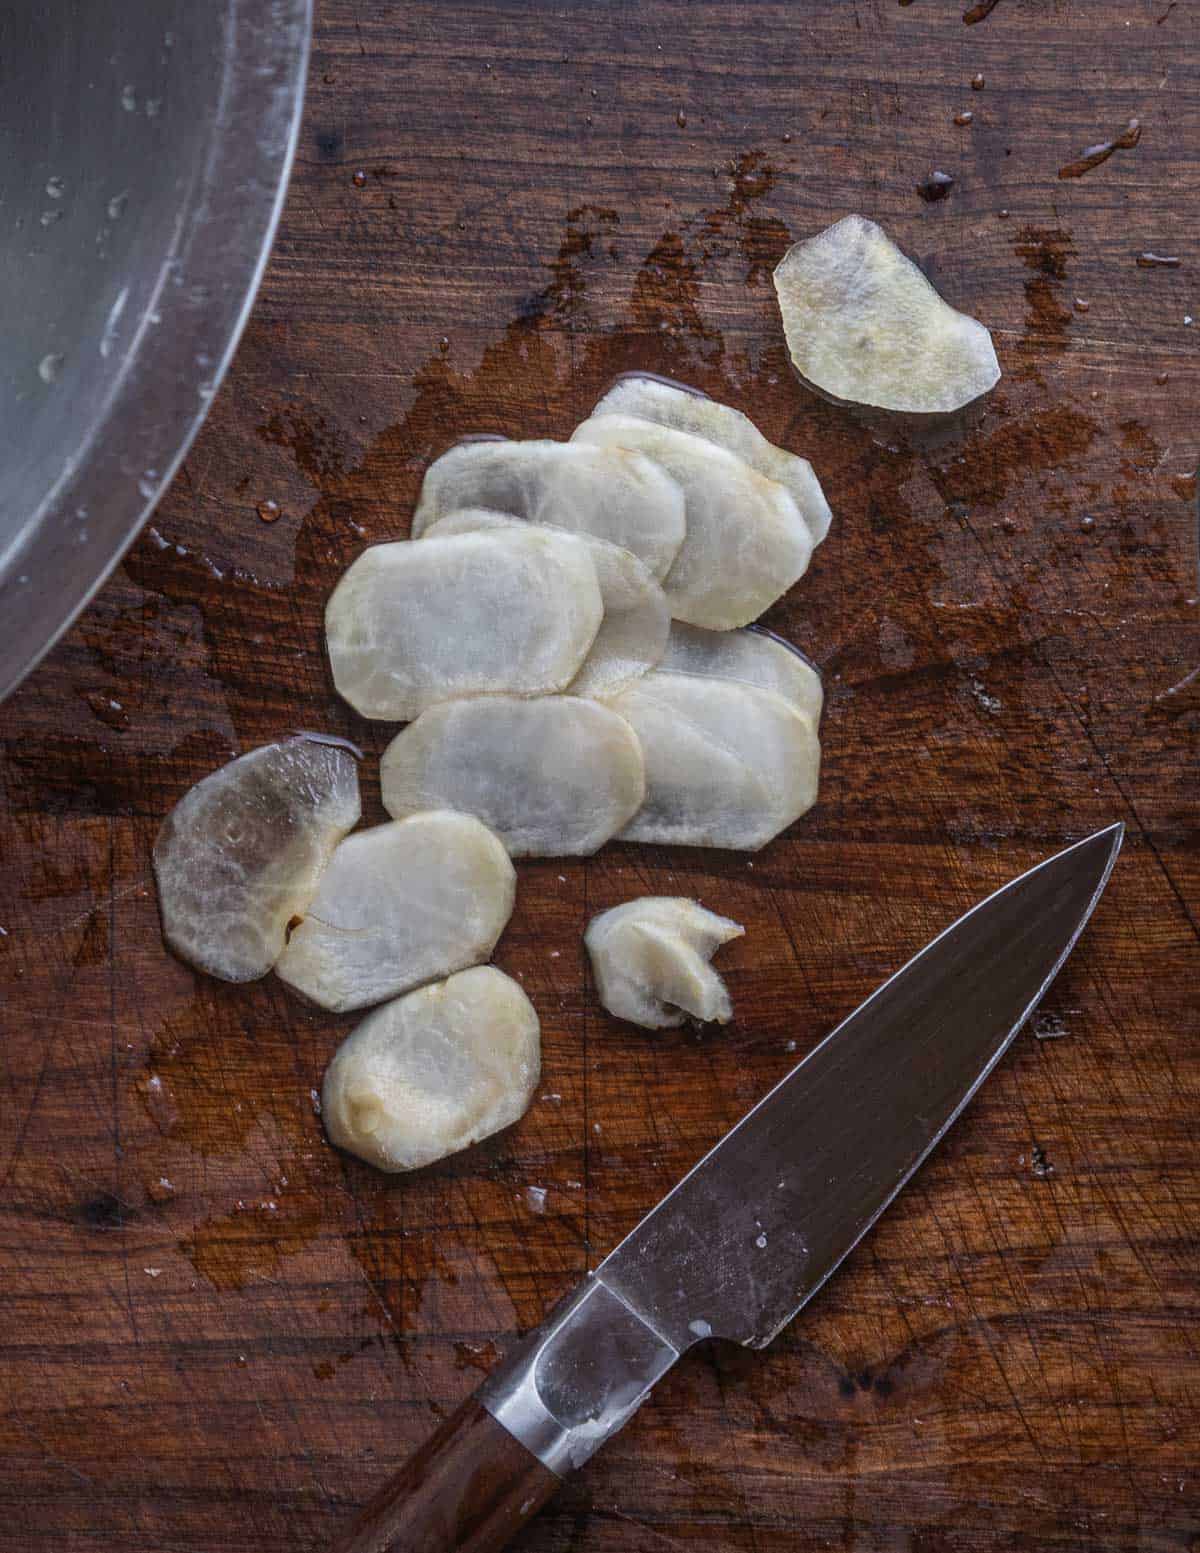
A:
[727, 764]
[753, 656]
[611, 493]
[241, 853]
[514, 610]
[864, 325]
[434, 1071]
[633, 632]
[746, 542]
[686, 409]
[398, 905]
[553, 777]
[650, 960]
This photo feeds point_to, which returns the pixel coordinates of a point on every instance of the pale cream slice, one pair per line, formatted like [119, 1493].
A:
[863, 324]
[553, 778]
[242, 852]
[746, 542]
[434, 1071]
[633, 633]
[686, 409]
[650, 960]
[399, 905]
[752, 656]
[610, 493]
[727, 764]
[512, 611]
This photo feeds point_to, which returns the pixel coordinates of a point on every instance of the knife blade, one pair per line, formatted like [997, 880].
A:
[758, 1225]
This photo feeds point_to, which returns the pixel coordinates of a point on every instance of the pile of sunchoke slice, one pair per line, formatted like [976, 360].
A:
[567, 632]
[568, 638]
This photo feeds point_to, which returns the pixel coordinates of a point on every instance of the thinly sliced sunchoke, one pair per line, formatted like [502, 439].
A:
[515, 610]
[727, 764]
[398, 905]
[753, 656]
[434, 1071]
[633, 633]
[241, 853]
[650, 960]
[686, 409]
[746, 542]
[863, 324]
[554, 777]
[610, 493]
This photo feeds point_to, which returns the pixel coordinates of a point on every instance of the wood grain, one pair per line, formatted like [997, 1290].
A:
[216, 1333]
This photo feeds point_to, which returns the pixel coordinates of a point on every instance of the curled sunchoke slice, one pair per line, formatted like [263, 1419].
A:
[686, 409]
[863, 324]
[633, 633]
[753, 656]
[727, 764]
[241, 853]
[650, 960]
[610, 493]
[515, 610]
[434, 1071]
[554, 777]
[398, 905]
[746, 542]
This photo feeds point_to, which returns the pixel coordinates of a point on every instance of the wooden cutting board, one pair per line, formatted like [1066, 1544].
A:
[217, 1334]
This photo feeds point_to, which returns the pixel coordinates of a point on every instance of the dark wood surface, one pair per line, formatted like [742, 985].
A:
[218, 1334]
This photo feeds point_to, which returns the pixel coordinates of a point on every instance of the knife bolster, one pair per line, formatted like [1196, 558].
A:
[578, 1378]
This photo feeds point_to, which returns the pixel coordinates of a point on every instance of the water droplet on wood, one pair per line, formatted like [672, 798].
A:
[935, 187]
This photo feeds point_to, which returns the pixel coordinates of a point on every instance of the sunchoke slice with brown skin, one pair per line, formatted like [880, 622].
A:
[686, 409]
[554, 777]
[633, 634]
[650, 960]
[434, 1071]
[727, 764]
[746, 542]
[513, 611]
[610, 493]
[241, 853]
[399, 905]
[864, 325]
[752, 656]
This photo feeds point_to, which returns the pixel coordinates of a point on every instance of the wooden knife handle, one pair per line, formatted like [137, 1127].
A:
[471, 1487]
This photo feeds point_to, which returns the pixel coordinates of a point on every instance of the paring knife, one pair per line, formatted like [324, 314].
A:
[755, 1229]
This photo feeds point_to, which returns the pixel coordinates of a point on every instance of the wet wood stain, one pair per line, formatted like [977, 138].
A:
[1047, 253]
[1097, 155]
[248, 1243]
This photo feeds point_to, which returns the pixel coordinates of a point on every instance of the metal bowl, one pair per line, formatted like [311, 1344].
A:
[147, 148]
